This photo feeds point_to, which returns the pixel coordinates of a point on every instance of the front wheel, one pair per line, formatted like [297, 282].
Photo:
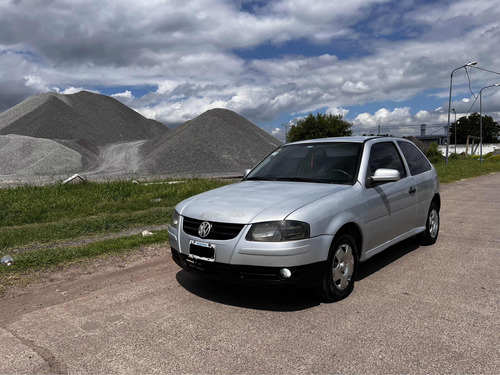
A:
[342, 265]
[430, 235]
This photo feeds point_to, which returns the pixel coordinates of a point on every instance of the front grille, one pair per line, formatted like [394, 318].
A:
[220, 231]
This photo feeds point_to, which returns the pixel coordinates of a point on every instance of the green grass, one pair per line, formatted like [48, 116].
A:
[33, 218]
[461, 168]
[42, 204]
[73, 228]
[52, 257]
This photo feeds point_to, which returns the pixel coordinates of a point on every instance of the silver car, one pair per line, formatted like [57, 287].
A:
[309, 213]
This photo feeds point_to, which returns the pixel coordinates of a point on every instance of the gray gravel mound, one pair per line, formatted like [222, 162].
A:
[97, 118]
[23, 156]
[218, 141]
[90, 152]
[52, 136]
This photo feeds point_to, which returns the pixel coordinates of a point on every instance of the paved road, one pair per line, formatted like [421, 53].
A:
[418, 310]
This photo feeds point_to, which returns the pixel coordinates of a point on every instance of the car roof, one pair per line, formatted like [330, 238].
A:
[356, 139]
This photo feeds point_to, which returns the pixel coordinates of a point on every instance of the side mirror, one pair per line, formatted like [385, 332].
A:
[386, 175]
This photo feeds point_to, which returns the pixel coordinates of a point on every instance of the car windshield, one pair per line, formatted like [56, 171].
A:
[335, 163]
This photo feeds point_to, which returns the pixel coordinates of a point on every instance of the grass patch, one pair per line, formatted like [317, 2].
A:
[70, 229]
[461, 168]
[46, 258]
[34, 215]
[42, 204]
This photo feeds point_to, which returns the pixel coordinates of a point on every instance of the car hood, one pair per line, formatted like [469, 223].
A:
[254, 201]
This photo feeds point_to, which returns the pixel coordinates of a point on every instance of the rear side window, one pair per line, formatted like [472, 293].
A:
[385, 155]
[417, 162]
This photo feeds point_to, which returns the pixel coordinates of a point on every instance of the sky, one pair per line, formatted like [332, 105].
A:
[376, 62]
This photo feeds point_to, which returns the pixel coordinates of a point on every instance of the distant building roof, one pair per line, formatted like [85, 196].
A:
[440, 139]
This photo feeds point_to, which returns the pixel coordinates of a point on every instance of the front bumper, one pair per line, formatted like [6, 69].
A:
[257, 263]
[302, 276]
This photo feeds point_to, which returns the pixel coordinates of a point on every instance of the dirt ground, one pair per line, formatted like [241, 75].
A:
[44, 289]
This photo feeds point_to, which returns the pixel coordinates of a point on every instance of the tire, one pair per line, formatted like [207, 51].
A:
[430, 235]
[342, 265]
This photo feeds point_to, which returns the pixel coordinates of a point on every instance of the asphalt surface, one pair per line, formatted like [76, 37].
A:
[414, 310]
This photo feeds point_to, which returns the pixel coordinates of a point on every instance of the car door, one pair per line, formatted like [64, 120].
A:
[391, 206]
[421, 171]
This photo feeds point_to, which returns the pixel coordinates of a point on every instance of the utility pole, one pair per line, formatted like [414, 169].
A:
[286, 132]
[455, 112]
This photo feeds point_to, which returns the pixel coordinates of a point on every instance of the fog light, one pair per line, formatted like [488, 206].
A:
[285, 273]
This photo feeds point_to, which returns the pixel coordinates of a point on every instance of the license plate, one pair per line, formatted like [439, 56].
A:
[202, 250]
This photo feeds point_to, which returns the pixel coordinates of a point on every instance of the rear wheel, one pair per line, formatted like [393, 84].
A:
[338, 281]
[430, 235]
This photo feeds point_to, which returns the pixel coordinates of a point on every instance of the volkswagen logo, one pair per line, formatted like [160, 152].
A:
[204, 229]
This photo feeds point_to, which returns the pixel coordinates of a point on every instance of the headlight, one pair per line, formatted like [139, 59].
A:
[175, 219]
[275, 231]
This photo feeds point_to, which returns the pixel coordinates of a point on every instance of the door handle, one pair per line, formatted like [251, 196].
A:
[413, 190]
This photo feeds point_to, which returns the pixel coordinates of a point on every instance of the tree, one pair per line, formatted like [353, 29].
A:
[470, 126]
[319, 126]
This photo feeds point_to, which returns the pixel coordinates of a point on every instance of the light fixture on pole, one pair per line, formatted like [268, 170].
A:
[481, 119]
[455, 112]
[472, 63]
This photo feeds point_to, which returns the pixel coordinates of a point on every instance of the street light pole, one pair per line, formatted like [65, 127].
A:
[472, 63]
[481, 119]
[286, 132]
[455, 112]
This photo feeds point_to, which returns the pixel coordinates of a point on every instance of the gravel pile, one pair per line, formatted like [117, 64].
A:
[95, 135]
[23, 156]
[90, 152]
[217, 142]
[98, 119]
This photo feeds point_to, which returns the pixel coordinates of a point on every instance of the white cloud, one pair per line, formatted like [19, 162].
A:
[36, 83]
[354, 88]
[167, 86]
[337, 111]
[190, 52]
[396, 117]
[126, 94]
[400, 122]
[278, 133]
[73, 90]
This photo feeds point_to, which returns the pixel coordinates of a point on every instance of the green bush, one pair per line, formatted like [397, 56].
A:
[433, 153]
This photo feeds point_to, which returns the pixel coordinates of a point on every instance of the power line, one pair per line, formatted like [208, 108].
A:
[486, 70]
[443, 128]
[470, 87]
[474, 102]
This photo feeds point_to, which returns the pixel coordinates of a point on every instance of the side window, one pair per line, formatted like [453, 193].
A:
[417, 162]
[385, 155]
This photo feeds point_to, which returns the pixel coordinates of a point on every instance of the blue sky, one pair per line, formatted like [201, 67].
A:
[377, 62]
